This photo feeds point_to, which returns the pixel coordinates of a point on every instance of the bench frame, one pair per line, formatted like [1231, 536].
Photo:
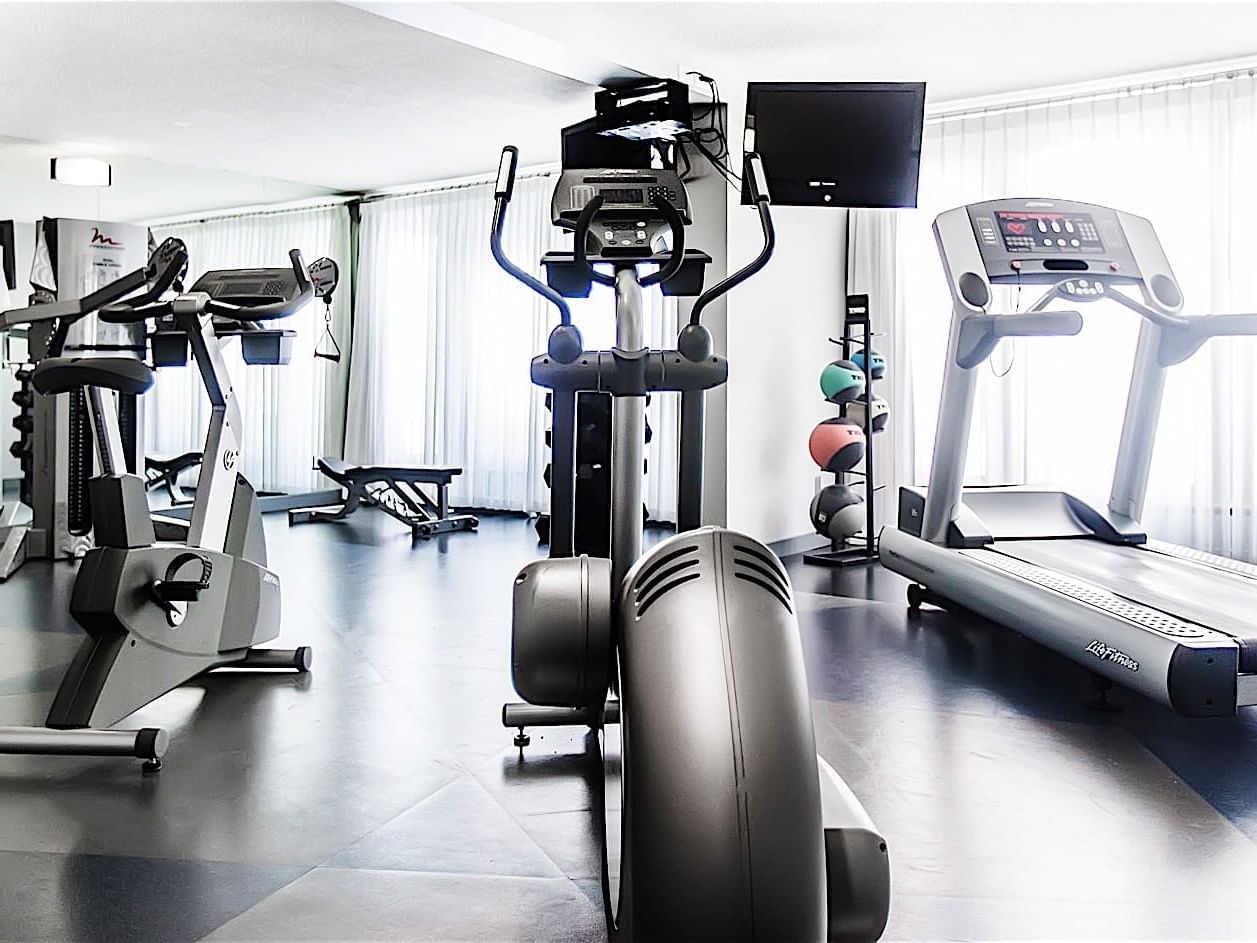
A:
[395, 490]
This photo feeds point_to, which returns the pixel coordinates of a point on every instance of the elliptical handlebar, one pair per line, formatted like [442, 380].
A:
[757, 183]
[677, 257]
[503, 191]
[579, 253]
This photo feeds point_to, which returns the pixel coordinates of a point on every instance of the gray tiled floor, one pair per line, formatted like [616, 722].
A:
[337, 904]
[379, 798]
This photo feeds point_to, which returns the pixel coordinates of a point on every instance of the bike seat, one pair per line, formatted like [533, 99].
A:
[63, 374]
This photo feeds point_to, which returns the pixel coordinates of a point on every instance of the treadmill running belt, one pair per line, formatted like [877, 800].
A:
[1192, 592]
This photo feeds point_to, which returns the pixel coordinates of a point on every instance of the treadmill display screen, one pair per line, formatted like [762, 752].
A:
[1036, 233]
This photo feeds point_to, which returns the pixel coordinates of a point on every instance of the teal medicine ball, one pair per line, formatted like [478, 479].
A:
[877, 364]
[842, 381]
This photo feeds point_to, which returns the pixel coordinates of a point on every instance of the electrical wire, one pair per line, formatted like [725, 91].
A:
[711, 141]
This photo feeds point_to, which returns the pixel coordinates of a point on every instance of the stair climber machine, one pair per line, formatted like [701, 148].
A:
[1173, 623]
[159, 614]
[720, 820]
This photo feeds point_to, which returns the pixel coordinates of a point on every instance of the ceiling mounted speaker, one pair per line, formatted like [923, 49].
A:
[82, 171]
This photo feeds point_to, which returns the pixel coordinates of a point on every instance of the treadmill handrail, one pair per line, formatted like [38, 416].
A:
[980, 333]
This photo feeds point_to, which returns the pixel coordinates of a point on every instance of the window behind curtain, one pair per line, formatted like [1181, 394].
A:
[1184, 158]
[292, 413]
[443, 339]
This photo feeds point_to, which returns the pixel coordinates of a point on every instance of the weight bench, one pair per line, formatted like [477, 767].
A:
[165, 472]
[395, 490]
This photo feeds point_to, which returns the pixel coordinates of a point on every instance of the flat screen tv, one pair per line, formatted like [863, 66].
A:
[837, 143]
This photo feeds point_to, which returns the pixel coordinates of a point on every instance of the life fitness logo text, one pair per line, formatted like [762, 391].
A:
[100, 239]
[1109, 653]
[229, 459]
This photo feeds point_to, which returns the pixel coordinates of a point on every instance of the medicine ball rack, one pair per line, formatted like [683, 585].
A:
[857, 334]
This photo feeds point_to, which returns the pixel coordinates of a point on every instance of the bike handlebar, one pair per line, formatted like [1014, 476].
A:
[126, 312]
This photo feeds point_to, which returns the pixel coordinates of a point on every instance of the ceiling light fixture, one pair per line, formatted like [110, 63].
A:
[82, 171]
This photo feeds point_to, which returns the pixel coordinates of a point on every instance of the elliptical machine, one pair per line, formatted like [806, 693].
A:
[158, 615]
[720, 820]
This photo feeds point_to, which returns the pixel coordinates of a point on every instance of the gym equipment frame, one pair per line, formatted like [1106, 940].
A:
[394, 489]
[159, 614]
[719, 820]
[1173, 623]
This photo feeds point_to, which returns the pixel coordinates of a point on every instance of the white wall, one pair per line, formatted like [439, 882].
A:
[779, 325]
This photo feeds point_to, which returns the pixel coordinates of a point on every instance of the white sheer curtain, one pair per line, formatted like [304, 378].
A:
[1049, 410]
[292, 413]
[872, 239]
[443, 340]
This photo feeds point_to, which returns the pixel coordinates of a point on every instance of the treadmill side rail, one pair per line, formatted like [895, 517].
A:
[1204, 558]
[1191, 669]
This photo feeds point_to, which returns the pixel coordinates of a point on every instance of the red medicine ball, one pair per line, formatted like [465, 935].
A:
[837, 445]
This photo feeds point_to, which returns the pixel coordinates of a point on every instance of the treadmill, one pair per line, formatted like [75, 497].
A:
[1176, 624]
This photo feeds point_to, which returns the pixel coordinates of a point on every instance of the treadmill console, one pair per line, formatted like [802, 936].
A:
[1037, 241]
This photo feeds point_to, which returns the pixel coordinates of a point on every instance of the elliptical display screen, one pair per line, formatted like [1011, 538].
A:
[1037, 233]
[633, 196]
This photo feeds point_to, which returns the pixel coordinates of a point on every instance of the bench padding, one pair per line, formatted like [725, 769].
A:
[342, 471]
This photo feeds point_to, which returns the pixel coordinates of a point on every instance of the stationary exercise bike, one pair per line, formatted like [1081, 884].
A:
[158, 614]
[721, 822]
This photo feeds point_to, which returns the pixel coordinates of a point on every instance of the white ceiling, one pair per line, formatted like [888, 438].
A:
[960, 49]
[142, 189]
[320, 94]
[244, 102]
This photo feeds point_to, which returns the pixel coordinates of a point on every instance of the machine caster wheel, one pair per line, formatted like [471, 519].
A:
[916, 596]
[423, 531]
[1100, 701]
[522, 739]
[150, 767]
[302, 658]
[475, 523]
